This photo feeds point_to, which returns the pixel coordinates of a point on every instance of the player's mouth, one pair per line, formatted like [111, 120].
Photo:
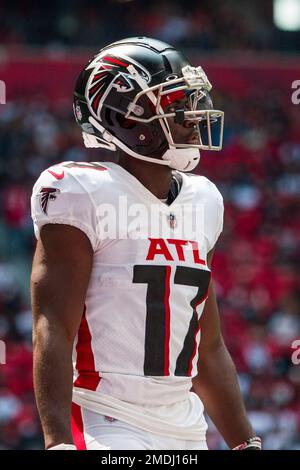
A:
[193, 139]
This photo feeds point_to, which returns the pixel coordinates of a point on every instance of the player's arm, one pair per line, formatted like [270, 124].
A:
[60, 274]
[216, 383]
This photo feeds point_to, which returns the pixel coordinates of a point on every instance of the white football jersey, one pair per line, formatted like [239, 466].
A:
[136, 350]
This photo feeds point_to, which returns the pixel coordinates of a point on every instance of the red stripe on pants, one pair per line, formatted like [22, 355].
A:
[77, 427]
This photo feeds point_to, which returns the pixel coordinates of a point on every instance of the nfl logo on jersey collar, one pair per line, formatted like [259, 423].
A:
[109, 419]
[172, 220]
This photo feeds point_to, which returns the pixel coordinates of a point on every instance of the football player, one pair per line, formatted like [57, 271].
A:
[121, 278]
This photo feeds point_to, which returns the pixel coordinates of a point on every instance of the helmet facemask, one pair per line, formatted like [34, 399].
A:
[192, 121]
[192, 89]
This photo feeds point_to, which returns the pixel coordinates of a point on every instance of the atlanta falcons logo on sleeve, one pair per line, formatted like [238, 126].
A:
[46, 194]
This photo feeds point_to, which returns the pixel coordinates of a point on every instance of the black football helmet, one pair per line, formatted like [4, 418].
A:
[123, 99]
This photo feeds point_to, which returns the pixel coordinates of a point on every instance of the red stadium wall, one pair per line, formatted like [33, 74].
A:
[54, 77]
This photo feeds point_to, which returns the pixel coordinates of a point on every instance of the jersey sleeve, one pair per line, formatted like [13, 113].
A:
[58, 197]
[217, 215]
[220, 221]
[211, 200]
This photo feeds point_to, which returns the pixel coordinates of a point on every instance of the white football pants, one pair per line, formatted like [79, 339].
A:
[93, 431]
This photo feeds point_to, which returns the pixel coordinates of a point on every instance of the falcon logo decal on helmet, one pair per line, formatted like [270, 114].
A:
[102, 79]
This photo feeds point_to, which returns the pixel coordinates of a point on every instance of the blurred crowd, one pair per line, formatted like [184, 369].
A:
[207, 25]
[257, 261]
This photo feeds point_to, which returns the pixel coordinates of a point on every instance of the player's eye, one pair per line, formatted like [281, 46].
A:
[178, 105]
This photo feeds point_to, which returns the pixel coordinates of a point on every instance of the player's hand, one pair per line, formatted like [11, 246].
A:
[63, 447]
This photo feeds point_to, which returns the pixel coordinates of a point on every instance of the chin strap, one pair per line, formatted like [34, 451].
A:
[182, 159]
[178, 159]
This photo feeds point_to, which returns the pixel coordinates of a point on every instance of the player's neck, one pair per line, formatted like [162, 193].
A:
[156, 178]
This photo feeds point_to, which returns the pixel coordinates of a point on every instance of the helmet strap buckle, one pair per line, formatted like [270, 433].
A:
[107, 136]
